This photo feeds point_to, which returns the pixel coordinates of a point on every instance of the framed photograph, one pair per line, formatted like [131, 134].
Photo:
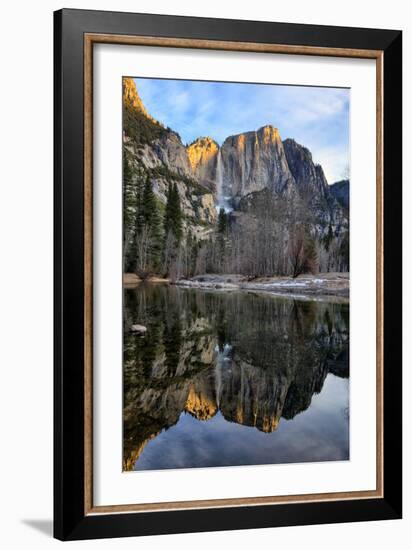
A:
[227, 274]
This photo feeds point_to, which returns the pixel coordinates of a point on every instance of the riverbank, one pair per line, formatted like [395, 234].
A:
[313, 286]
[131, 280]
[320, 285]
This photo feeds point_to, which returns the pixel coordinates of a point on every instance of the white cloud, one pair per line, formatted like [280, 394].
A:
[317, 118]
[334, 161]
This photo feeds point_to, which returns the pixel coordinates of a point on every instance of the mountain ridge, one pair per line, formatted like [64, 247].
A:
[340, 190]
[203, 151]
[209, 177]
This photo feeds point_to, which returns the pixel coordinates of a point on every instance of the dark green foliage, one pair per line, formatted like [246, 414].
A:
[269, 234]
[222, 221]
[344, 252]
[139, 127]
[149, 207]
[172, 342]
[167, 215]
[173, 232]
[162, 171]
[133, 186]
[328, 238]
[222, 231]
[192, 252]
[147, 349]
[173, 214]
[340, 191]
[127, 187]
[282, 352]
[221, 329]
[328, 322]
[151, 220]
[142, 236]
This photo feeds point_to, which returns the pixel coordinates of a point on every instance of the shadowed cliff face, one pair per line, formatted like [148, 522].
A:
[252, 359]
[159, 154]
[308, 176]
[340, 190]
[251, 161]
[234, 175]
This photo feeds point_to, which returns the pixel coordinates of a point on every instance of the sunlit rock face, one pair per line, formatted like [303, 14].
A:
[209, 176]
[202, 155]
[161, 155]
[254, 161]
[254, 360]
[201, 402]
[131, 96]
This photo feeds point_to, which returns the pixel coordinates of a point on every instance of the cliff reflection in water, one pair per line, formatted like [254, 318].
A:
[220, 378]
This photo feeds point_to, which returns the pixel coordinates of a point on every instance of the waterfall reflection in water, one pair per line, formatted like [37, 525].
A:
[231, 378]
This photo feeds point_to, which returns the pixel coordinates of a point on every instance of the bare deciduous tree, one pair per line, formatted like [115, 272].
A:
[143, 243]
[301, 252]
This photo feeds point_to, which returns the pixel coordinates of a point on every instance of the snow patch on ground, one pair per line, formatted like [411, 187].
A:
[332, 284]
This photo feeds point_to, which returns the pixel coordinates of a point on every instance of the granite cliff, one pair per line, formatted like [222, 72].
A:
[340, 190]
[161, 155]
[235, 176]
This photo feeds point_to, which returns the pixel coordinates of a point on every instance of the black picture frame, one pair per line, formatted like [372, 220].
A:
[70, 520]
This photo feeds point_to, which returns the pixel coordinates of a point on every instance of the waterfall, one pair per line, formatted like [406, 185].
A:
[219, 179]
[222, 201]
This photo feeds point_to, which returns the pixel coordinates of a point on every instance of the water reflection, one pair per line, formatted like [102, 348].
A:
[220, 378]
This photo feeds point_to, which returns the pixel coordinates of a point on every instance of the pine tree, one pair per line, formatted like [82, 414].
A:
[168, 211]
[151, 221]
[173, 229]
[328, 238]
[149, 208]
[222, 224]
[176, 214]
[192, 249]
[172, 221]
[344, 253]
[127, 184]
[222, 221]
[132, 193]
[133, 185]
[139, 187]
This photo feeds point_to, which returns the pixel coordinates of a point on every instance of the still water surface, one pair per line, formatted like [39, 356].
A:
[233, 378]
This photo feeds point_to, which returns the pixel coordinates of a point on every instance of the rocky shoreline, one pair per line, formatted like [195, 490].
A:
[322, 286]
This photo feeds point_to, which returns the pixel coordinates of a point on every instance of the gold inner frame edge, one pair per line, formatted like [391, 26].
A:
[93, 38]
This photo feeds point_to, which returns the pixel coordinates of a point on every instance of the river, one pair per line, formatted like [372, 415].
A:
[226, 378]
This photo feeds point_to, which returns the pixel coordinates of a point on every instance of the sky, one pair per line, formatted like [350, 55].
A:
[315, 117]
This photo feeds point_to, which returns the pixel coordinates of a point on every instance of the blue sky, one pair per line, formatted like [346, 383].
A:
[317, 118]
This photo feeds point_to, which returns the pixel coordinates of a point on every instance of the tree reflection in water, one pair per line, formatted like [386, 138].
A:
[241, 359]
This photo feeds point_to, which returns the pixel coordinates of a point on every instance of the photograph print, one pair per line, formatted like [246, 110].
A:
[235, 274]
